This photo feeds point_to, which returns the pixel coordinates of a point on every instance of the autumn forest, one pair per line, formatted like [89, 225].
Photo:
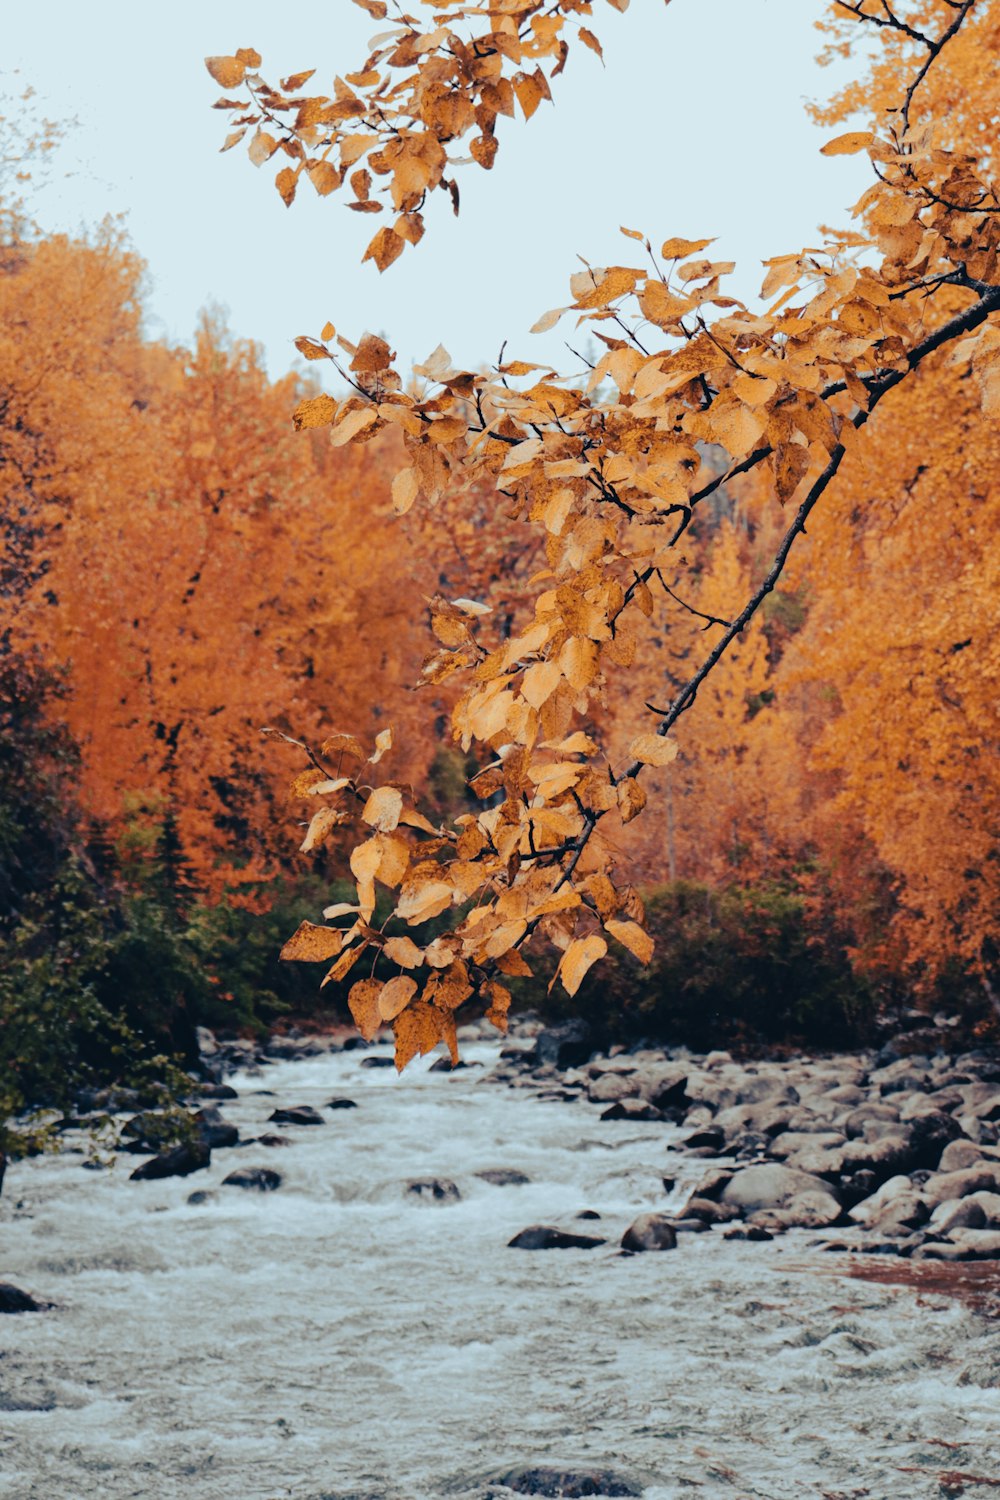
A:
[213, 614]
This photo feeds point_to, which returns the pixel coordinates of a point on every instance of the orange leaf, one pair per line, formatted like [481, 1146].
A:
[363, 1001]
[228, 72]
[311, 944]
[395, 996]
[581, 954]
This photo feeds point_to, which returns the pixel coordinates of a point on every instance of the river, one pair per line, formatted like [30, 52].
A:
[340, 1338]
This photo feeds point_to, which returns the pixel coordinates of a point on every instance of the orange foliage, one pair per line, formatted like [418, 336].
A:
[692, 392]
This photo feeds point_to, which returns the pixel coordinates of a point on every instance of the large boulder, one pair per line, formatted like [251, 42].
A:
[565, 1046]
[181, 1161]
[650, 1232]
[548, 1237]
[297, 1114]
[771, 1186]
[960, 1154]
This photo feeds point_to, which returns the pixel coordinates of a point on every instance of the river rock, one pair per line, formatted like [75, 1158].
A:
[214, 1130]
[432, 1190]
[13, 1300]
[217, 1090]
[631, 1109]
[201, 1196]
[378, 1062]
[181, 1161]
[947, 1185]
[548, 1237]
[748, 1232]
[270, 1140]
[771, 1186]
[297, 1114]
[958, 1155]
[254, 1179]
[607, 1088]
[565, 1484]
[566, 1046]
[978, 1244]
[866, 1114]
[708, 1211]
[791, 1142]
[503, 1177]
[650, 1232]
[340, 1102]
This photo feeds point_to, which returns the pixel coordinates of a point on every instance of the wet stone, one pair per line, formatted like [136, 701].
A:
[432, 1190]
[254, 1179]
[503, 1177]
[565, 1484]
[341, 1103]
[13, 1300]
[650, 1232]
[548, 1237]
[193, 1156]
[298, 1114]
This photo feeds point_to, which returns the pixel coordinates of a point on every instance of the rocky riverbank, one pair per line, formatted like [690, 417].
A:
[895, 1152]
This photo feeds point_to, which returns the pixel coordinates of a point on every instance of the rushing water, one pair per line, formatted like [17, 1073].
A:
[336, 1338]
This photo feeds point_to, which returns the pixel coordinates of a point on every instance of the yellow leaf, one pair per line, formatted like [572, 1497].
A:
[548, 320]
[383, 743]
[386, 247]
[286, 182]
[540, 682]
[228, 72]
[499, 997]
[418, 903]
[589, 40]
[653, 749]
[321, 825]
[403, 951]
[383, 808]
[355, 422]
[849, 144]
[324, 177]
[396, 996]
[310, 349]
[581, 954]
[337, 744]
[405, 489]
[418, 1030]
[365, 860]
[311, 944]
[676, 248]
[318, 411]
[363, 1001]
[635, 938]
[631, 799]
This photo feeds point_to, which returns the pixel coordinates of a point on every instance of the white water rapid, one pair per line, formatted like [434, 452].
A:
[338, 1338]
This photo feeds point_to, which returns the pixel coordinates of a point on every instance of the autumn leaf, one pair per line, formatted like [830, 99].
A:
[363, 1000]
[418, 1030]
[312, 945]
[383, 808]
[635, 938]
[849, 144]
[653, 749]
[228, 72]
[581, 954]
[395, 995]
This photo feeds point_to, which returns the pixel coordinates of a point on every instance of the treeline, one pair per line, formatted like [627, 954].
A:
[179, 568]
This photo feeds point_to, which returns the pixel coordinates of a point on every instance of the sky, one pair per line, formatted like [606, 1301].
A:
[694, 126]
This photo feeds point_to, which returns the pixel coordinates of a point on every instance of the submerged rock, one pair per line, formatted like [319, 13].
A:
[631, 1109]
[297, 1114]
[548, 1237]
[190, 1157]
[650, 1232]
[565, 1046]
[503, 1177]
[339, 1102]
[565, 1484]
[254, 1179]
[215, 1131]
[432, 1190]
